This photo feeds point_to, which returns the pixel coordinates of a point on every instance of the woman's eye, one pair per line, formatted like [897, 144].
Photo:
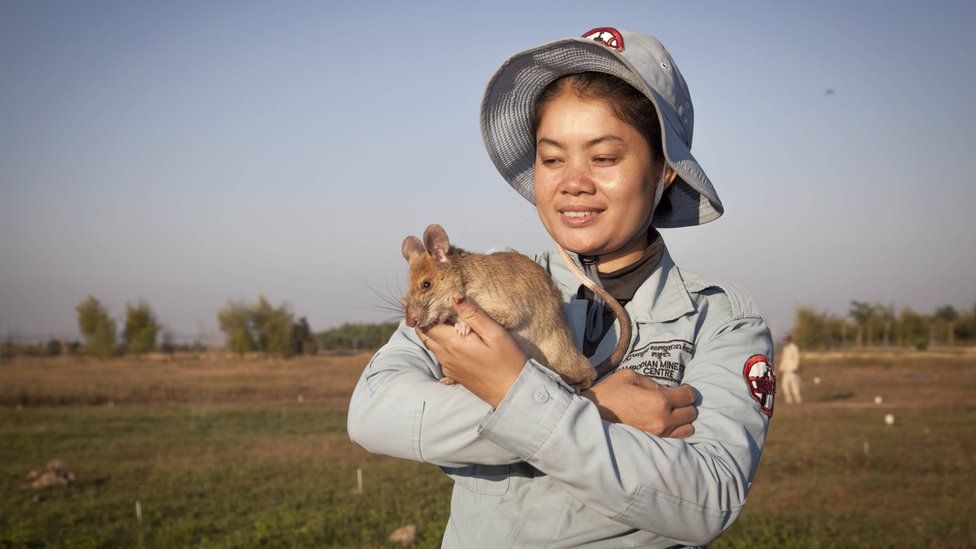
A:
[605, 160]
[425, 285]
[550, 161]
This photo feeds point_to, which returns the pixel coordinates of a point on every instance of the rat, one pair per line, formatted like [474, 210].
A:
[515, 291]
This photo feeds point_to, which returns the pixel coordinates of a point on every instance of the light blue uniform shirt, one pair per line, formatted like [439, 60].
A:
[544, 470]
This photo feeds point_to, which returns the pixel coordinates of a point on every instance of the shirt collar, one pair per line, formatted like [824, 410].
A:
[661, 298]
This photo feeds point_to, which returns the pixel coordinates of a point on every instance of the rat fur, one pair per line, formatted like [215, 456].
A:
[513, 290]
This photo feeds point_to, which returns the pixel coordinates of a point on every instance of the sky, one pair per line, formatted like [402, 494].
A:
[190, 153]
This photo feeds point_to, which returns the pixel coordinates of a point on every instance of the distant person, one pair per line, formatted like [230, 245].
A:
[789, 364]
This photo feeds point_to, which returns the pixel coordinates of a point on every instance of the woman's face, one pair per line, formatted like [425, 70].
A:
[594, 179]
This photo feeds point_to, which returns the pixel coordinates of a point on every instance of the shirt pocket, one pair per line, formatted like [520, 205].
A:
[485, 480]
[661, 357]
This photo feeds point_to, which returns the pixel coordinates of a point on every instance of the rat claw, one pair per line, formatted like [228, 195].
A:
[462, 327]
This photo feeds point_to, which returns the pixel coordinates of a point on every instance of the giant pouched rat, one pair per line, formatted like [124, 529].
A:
[514, 291]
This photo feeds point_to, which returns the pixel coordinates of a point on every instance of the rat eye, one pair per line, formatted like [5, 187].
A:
[425, 285]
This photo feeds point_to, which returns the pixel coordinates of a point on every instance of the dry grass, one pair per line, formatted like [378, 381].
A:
[220, 452]
[320, 381]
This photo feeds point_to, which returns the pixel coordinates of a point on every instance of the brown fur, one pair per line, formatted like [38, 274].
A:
[511, 288]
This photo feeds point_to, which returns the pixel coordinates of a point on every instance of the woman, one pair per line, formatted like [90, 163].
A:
[596, 131]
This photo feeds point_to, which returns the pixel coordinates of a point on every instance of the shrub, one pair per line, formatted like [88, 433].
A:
[140, 328]
[97, 328]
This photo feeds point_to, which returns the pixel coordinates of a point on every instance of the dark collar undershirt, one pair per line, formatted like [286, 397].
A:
[622, 284]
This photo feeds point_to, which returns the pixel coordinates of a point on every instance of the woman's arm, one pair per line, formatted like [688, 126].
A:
[688, 490]
[400, 409]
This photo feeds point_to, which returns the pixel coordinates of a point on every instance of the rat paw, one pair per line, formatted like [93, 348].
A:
[448, 380]
[462, 328]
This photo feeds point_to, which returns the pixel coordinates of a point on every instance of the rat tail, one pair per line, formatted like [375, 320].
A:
[623, 318]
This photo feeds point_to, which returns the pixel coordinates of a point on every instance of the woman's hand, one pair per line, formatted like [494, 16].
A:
[487, 361]
[630, 398]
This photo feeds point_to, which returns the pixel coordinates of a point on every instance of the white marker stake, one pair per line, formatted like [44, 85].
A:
[816, 381]
[877, 400]
[138, 513]
[867, 448]
[359, 480]
[889, 419]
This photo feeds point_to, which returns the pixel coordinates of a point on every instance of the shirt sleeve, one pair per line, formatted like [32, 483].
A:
[400, 409]
[687, 490]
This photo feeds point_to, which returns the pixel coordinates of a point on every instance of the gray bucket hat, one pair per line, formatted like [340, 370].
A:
[638, 59]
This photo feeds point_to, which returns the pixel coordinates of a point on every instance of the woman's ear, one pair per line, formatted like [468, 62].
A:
[669, 176]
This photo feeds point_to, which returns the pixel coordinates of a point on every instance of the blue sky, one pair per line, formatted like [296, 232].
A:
[191, 153]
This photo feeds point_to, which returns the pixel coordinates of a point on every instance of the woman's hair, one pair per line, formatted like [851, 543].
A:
[628, 104]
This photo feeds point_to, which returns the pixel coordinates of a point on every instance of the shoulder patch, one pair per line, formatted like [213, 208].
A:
[740, 300]
[761, 380]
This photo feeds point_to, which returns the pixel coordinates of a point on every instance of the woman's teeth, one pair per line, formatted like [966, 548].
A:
[578, 214]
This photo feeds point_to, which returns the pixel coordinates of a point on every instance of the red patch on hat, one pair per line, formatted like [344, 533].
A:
[608, 36]
[761, 381]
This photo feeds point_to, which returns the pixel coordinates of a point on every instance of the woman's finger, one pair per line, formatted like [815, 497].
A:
[684, 431]
[684, 415]
[426, 337]
[479, 321]
[682, 395]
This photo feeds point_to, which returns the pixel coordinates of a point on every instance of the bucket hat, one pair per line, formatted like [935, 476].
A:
[638, 59]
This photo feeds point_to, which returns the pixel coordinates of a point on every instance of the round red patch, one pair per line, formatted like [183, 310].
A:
[608, 36]
[761, 380]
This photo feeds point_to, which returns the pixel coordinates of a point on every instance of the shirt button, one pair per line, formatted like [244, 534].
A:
[542, 396]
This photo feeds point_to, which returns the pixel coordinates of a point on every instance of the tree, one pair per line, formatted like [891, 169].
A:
[140, 328]
[235, 322]
[97, 328]
[168, 345]
[885, 316]
[53, 347]
[913, 329]
[357, 336]
[862, 313]
[808, 328]
[965, 327]
[947, 316]
[303, 340]
[273, 328]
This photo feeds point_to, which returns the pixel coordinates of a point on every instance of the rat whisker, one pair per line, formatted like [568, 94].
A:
[367, 306]
[391, 301]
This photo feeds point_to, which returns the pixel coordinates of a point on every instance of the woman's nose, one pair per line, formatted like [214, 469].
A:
[577, 179]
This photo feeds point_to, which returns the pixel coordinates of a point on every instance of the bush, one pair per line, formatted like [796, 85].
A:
[303, 340]
[53, 347]
[258, 327]
[273, 328]
[140, 328]
[357, 336]
[97, 328]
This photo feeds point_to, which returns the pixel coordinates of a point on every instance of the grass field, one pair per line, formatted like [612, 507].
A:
[227, 452]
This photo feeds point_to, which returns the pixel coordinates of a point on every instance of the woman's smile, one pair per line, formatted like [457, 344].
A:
[579, 216]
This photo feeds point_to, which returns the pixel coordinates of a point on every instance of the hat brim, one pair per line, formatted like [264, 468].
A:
[506, 112]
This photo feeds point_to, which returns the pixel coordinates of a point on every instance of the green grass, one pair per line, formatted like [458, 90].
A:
[222, 454]
[211, 476]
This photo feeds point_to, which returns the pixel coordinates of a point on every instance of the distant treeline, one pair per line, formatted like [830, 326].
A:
[247, 327]
[356, 336]
[873, 324]
[262, 327]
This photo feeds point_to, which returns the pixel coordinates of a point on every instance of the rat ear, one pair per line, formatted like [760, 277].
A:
[411, 247]
[435, 238]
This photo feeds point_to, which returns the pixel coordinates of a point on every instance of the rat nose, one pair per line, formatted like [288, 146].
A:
[409, 316]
